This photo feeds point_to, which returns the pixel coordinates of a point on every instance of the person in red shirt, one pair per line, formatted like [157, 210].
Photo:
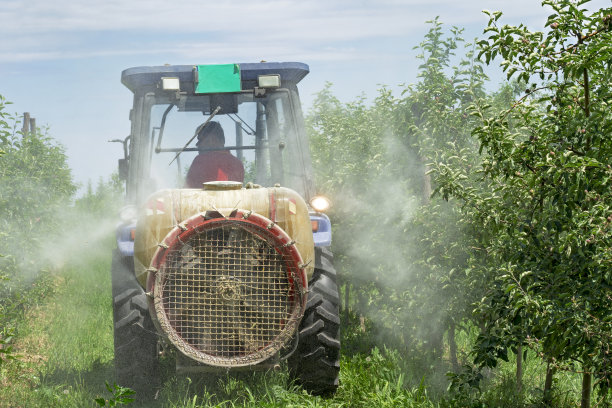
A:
[216, 165]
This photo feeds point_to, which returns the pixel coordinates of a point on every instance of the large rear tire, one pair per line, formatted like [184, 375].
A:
[315, 365]
[136, 361]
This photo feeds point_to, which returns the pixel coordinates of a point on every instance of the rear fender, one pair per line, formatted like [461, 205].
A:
[321, 229]
[125, 238]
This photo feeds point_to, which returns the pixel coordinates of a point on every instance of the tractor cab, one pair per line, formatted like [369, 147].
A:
[257, 106]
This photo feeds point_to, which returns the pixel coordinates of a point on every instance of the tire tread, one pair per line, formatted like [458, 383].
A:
[315, 364]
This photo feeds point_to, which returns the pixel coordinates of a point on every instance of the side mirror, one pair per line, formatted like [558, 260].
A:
[123, 169]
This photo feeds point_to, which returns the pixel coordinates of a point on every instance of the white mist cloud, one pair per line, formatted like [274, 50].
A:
[68, 246]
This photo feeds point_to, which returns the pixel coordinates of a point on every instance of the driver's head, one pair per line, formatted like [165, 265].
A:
[211, 135]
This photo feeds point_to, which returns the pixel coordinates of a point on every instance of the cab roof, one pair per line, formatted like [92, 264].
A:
[139, 79]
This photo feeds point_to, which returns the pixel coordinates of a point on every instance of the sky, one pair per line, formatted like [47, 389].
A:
[61, 60]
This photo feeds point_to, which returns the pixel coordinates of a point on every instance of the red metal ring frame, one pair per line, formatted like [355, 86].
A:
[261, 226]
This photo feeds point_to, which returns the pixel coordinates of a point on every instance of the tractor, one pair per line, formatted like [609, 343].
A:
[228, 275]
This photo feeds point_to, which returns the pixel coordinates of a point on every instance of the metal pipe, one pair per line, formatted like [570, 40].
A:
[195, 149]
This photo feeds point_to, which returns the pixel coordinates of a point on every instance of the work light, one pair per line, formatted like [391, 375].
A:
[170, 84]
[268, 81]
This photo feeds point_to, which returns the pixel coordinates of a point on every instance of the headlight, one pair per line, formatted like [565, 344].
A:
[320, 203]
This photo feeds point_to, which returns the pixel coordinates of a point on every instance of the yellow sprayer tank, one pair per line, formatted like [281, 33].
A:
[166, 209]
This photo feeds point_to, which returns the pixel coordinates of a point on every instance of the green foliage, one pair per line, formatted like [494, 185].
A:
[548, 209]
[6, 348]
[103, 201]
[120, 396]
[524, 253]
[403, 251]
[35, 187]
[4, 129]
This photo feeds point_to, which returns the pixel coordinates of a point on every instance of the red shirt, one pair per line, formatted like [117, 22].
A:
[214, 166]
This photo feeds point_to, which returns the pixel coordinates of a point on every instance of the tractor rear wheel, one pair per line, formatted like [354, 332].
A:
[136, 361]
[315, 365]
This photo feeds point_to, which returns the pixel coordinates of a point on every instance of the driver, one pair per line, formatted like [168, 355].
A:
[216, 165]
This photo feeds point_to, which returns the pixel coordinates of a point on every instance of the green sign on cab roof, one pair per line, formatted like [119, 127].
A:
[217, 78]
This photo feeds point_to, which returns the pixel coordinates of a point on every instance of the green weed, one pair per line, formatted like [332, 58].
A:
[120, 396]
[6, 348]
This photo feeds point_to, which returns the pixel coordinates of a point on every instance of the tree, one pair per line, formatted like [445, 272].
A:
[36, 187]
[402, 250]
[548, 213]
[103, 201]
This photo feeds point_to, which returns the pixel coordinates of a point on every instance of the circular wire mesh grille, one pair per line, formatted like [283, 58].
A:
[227, 294]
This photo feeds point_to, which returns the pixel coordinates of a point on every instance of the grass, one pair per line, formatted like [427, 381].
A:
[500, 389]
[65, 346]
[65, 343]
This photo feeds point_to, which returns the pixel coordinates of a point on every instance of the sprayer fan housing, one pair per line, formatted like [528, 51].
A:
[228, 291]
